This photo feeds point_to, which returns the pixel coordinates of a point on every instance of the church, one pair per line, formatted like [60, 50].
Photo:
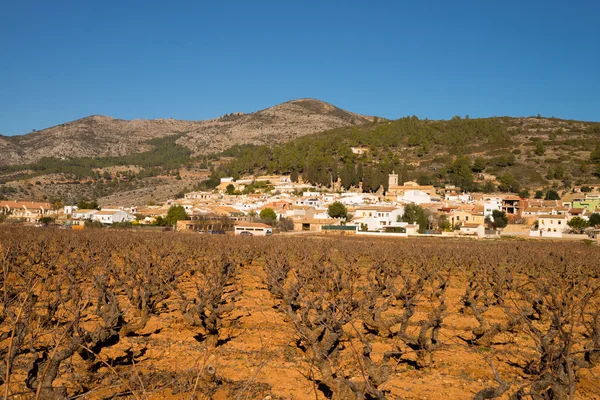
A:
[399, 190]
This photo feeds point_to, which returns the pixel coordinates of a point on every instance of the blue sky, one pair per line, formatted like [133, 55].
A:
[64, 60]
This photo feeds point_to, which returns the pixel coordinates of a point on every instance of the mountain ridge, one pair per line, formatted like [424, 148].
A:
[101, 135]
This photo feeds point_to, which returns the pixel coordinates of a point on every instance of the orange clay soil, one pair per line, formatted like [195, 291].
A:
[261, 360]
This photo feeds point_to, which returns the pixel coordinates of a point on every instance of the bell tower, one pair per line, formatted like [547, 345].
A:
[393, 179]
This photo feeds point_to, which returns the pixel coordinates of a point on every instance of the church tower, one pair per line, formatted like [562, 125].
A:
[393, 179]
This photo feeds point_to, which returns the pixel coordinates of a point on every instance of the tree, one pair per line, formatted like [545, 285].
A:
[285, 224]
[337, 210]
[268, 215]
[488, 186]
[175, 213]
[524, 193]
[230, 189]
[594, 219]
[415, 214]
[479, 164]
[460, 173]
[46, 220]
[578, 223]
[294, 176]
[508, 183]
[539, 194]
[552, 195]
[586, 189]
[499, 219]
[87, 205]
[539, 149]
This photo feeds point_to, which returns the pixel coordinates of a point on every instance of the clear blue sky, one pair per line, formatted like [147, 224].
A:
[63, 60]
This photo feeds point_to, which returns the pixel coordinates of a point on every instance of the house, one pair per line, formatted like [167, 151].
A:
[314, 225]
[238, 185]
[150, 213]
[206, 196]
[550, 226]
[589, 202]
[472, 229]
[513, 206]
[462, 217]
[375, 218]
[29, 211]
[205, 222]
[415, 196]
[308, 201]
[187, 205]
[577, 212]
[112, 217]
[491, 204]
[398, 190]
[299, 212]
[69, 209]
[253, 229]
[83, 214]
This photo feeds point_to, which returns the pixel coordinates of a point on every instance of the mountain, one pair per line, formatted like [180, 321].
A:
[277, 124]
[101, 136]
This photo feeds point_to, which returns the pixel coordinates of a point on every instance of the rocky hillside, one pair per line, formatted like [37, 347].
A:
[277, 124]
[100, 136]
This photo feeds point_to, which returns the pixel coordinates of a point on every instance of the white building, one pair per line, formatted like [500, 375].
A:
[550, 226]
[491, 204]
[83, 214]
[377, 218]
[111, 217]
[253, 229]
[415, 196]
[206, 196]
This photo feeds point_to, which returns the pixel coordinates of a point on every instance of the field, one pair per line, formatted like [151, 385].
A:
[98, 314]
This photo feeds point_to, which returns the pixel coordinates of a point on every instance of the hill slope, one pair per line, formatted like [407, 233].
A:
[277, 124]
[526, 152]
[102, 136]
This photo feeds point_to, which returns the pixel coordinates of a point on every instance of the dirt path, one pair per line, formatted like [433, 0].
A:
[261, 351]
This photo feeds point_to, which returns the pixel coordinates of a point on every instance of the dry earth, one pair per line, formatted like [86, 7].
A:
[262, 359]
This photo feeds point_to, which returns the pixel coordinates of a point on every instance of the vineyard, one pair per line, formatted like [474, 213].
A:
[99, 314]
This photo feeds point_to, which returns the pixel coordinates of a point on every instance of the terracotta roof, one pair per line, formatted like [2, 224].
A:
[227, 209]
[552, 217]
[253, 225]
[318, 221]
[24, 204]
[107, 212]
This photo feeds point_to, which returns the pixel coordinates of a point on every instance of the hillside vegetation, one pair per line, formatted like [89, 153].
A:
[489, 154]
[475, 154]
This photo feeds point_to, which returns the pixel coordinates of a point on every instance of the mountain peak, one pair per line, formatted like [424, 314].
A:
[101, 135]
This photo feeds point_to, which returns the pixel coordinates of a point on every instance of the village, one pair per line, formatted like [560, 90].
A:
[277, 205]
